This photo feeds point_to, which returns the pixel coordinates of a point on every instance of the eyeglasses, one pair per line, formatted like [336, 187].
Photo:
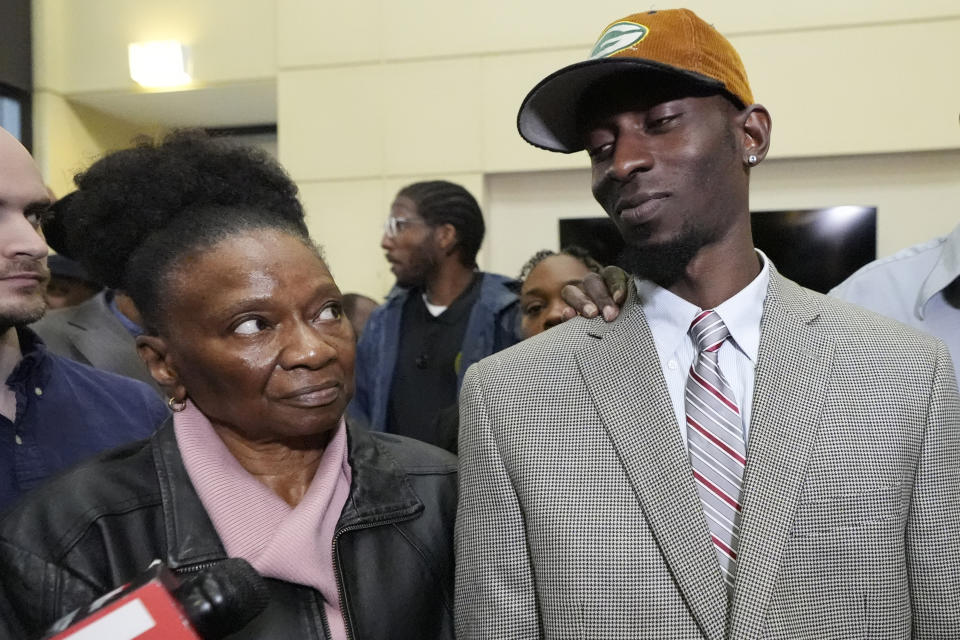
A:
[394, 225]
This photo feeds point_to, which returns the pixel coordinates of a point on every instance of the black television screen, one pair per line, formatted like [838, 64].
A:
[598, 236]
[818, 248]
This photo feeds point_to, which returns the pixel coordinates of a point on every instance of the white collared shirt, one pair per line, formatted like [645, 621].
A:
[669, 317]
[910, 285]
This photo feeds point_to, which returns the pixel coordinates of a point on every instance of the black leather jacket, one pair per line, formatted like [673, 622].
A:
[92, 529]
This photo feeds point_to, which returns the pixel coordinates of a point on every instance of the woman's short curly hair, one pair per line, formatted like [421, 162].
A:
[136, 211]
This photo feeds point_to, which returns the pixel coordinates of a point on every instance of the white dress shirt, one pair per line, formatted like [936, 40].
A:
[910, 286]
[669, 317]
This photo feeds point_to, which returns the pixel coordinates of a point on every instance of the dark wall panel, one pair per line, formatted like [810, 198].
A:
[16, 60]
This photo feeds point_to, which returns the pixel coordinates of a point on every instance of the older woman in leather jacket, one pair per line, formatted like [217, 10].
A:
[244, 330]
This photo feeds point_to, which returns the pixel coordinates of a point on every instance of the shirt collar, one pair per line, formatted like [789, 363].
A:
[945, 271]
[669, 316]
[460, 307]
[132, 327]
[34, 365]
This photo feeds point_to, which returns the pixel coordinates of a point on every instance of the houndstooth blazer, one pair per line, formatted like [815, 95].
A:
[579, 518]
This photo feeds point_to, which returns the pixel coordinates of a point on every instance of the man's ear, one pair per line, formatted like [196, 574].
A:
[755, 124]
[446, 235]
[153, 351]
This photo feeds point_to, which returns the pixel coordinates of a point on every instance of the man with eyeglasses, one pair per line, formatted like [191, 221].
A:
[443, 315]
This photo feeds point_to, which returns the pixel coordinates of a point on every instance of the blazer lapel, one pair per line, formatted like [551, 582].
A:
[793, 372]
[622, 373]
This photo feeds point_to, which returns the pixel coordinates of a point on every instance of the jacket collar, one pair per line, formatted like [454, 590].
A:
[379, 489]
[496, 293]
[945, 271]
[379, 492]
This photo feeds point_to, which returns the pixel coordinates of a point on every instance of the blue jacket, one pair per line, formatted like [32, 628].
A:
[493, 325]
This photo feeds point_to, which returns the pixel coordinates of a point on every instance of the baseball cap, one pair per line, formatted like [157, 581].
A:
[672, 41]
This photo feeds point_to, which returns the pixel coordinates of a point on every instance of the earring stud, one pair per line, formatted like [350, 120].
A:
[752, 160]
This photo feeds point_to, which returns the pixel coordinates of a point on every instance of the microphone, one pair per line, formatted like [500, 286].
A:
[158, 605]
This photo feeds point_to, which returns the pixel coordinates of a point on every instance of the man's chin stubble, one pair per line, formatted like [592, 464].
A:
[664, 263]
[21, 316]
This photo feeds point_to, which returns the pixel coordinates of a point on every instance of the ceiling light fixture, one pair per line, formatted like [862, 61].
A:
[159, 64]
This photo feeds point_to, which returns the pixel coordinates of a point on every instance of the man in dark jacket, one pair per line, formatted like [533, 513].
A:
[442, 316]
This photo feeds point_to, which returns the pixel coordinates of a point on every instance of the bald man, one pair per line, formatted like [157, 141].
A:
[53, 412]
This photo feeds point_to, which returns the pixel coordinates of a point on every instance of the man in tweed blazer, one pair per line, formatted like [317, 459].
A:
[580, 515]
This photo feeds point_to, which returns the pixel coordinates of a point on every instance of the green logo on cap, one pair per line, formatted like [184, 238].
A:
[617, 37]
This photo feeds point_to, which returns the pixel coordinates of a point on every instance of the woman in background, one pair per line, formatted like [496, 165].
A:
[246, 334]
[542, 279]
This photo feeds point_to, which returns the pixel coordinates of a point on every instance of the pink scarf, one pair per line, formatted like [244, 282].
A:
[294, 544]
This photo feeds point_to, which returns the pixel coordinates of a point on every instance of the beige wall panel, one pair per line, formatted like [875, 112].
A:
[523, 211]
[232, 41]
[916, 196]
[229, 41]
[330, 122]
[865, 90]
[432, 117]
[506, 79]
[346, 220]
[48, 29]
[431, 28]
[313, 33]
[69, 137]
[750, 16]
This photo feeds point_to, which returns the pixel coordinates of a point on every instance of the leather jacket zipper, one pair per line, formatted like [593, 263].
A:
[337, 571]
[195, 568]
[324, 623]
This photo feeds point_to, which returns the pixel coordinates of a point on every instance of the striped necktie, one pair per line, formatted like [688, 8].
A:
[715, 442]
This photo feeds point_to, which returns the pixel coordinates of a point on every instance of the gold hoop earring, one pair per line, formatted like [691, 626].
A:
[176, 405]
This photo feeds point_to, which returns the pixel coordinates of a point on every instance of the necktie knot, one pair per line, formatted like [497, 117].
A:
[708, 331]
